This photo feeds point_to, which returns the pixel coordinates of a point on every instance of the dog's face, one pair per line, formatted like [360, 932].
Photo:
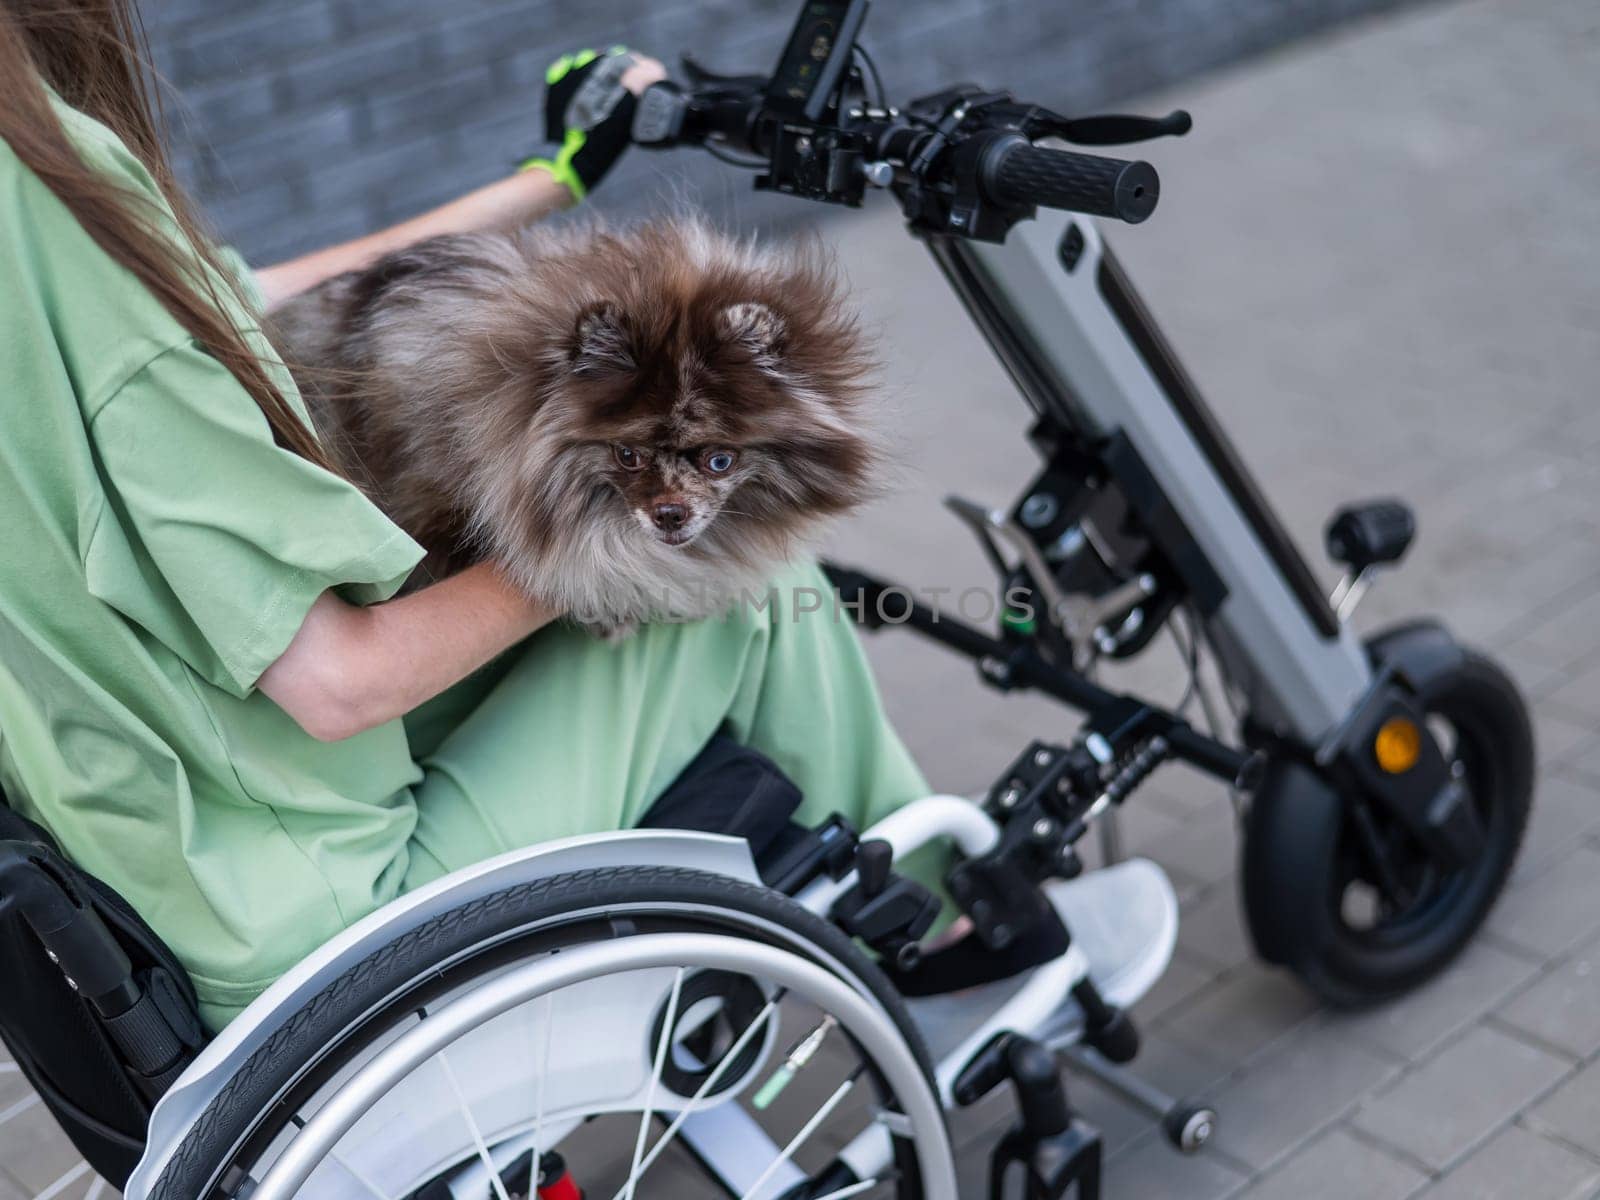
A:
[696, 413]
[674, 491]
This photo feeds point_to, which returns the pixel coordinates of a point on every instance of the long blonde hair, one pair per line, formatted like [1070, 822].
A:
[94, 54]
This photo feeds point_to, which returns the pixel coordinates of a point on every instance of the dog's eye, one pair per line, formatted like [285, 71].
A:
[718, 462]
[627, 457]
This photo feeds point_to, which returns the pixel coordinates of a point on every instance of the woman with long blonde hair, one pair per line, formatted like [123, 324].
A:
[206, 694]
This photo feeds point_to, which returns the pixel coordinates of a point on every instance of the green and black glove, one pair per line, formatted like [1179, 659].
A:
[590, 113]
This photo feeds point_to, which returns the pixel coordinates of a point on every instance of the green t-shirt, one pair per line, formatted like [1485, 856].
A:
[157, 552]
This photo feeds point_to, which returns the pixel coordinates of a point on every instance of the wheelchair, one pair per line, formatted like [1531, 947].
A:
[642, 1013]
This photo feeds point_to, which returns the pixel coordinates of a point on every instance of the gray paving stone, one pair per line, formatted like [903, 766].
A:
[1338, 1166]
[1536, 678]
[1516, 1164]
[1154, 1169]
[1189, 793]
[1139, 824]
[1413, 1025]
[1143, 824]
[1212, 928]
[1565, 811]
[1563, 1007]
[1555, 909]
[1242, 1013]
[36, 1155]
[1440, 1110]
[1584, 758]
[1173, 1067]
[1563, 636]
[13, 1086]
[1202, 850]
[1565, 741]
[1183, 978]
[1572, 1111]
[1293, 1091]
[84, 1189]
[1578, 696]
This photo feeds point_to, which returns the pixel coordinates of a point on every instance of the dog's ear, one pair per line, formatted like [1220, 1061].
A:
[755, 328]
[600, 340]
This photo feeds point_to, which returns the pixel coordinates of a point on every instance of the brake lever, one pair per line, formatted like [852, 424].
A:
[1117, 129]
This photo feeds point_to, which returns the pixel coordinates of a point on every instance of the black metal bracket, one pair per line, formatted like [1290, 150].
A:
[1015, 665]
[35, 883]
[1054, 1152]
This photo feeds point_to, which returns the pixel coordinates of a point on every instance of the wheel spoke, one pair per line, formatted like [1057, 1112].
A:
[655, 1081]
[712, 1080]
[495, 1182]
[548, 1004]
[806, 1130]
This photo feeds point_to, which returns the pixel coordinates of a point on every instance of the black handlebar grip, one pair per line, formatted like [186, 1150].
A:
[1017, 172]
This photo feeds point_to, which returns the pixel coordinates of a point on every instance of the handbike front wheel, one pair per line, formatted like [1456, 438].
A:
[1338, 891]
[596, 1018]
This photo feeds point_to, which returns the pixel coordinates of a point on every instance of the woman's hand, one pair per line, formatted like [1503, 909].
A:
[589, 101]
[351, 669]
[643, 73]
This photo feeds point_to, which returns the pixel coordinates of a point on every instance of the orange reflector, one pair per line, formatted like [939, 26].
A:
[1398, 745]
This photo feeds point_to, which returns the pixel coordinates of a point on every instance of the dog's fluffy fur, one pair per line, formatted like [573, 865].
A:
[545, 399]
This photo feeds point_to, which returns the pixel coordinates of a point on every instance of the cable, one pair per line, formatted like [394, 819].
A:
[872, 69]
[737, 160]
[1189, 648]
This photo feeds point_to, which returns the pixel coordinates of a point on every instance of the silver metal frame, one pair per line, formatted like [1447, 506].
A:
[1094, 379]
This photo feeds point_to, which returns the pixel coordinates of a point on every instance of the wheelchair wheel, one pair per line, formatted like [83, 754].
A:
[653, 1030]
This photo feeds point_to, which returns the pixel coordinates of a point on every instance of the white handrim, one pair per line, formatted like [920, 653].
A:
[867, 1024]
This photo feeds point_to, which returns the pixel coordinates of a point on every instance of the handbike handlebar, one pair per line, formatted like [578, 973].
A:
[962, 162]
[967, 177]
[1016, 172]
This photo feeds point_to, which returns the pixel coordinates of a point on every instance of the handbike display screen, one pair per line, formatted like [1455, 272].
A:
[816, 57]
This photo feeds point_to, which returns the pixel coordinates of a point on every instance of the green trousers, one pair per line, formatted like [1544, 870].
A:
[575, 735]
[569, 734]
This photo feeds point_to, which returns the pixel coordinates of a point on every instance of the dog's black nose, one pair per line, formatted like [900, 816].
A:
[670, 517]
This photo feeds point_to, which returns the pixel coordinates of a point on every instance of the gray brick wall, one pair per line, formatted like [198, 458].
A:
[304, 121]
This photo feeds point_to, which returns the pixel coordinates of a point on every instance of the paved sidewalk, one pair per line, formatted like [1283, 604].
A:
[1379, 254]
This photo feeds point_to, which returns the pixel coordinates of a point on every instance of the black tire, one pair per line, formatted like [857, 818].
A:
[476, 936]
[1303, 853]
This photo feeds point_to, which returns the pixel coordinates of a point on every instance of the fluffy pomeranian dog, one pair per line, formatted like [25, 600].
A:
[640, 423]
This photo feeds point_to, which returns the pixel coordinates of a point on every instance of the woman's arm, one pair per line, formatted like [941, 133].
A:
[518, 200]
[525, 197]
[350, 669]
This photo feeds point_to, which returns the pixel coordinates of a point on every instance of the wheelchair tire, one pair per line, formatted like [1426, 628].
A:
[517, 923]
[1303, 855]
